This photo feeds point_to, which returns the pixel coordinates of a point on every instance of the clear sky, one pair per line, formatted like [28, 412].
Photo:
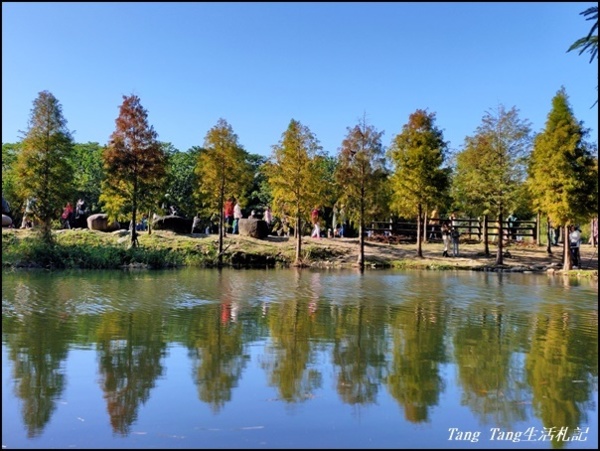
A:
[259, 65]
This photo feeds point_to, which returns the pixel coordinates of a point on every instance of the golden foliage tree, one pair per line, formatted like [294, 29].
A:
[42, 166]
[361, 174]
[223, 171]
[296, 174]
[419, 179]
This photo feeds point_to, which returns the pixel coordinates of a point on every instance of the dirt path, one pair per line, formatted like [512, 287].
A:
[470, 254]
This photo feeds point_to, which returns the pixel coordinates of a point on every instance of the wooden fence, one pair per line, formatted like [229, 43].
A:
[469, 228]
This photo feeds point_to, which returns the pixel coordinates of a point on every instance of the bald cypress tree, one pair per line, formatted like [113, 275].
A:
[296, 175]
[494, 161]
[43, 163]
[361, 174]
[563, 173]
[135, 165]
[419, 177]
[223, 171]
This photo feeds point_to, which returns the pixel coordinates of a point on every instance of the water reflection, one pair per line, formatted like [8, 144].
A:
[515, 348]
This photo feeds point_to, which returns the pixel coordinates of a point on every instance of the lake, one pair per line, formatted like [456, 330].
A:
[298, 358]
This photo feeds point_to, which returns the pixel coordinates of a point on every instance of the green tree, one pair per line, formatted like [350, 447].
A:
[563, 173]
[589, 43]
[135, 164]
[496, 166]
[10, 180]
[42, 166]
[259, 194]
[181, 178]
[362, 173]
[88, 172]
[467, 180]
[223, 171]
[296, 174]
[419, 178]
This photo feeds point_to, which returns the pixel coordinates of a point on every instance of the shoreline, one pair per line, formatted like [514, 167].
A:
[274, 251]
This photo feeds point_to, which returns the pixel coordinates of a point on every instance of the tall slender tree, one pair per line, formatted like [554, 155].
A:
[419, 178]
[43, 164]
[496, 156]
[563, 173]
[361, 171]
[135, 165]
[223, 171]
[295, 173]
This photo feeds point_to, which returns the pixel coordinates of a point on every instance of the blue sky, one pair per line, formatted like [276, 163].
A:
[259, 65]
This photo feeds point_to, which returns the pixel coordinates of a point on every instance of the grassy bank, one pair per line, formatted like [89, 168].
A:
[87, 249]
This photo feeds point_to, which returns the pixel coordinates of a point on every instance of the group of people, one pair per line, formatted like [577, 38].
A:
[450, 236]
[338, 221]
[70, 214]
[232, 212]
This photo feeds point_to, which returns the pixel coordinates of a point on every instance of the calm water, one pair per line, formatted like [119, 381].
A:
[298, 359]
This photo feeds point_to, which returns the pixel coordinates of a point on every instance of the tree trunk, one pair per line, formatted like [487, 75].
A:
[567, 263]
[419, 243]
[221, 222]
[425, 236]
[298, 241]
[361, 235]
[486, 237]
[499, 254]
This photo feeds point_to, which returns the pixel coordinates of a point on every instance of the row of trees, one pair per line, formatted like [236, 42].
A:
[501, 168]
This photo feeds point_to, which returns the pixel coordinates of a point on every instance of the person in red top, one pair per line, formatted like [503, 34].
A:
[67, 216]
[228, 212]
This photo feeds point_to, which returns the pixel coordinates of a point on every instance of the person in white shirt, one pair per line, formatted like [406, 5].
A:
[574, 242]
[268, 217]
[237, 215]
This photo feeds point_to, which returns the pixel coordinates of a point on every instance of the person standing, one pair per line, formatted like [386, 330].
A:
[67, 216]
[334, 221]
[445, 237]
[228, 213]
[556, 229]
[434, 223]
[27, 222]
[455, 236]
[512, 226]
[268, 218]
[237, 215]
[196, 223]
[342, 221]
[314, 216]
[574, 242]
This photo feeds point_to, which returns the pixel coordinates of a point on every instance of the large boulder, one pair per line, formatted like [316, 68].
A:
[99, 221]
[256, 228]
[6, 221]
[174, 223]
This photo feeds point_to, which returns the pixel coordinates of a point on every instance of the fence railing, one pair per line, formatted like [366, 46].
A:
[469, 228]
